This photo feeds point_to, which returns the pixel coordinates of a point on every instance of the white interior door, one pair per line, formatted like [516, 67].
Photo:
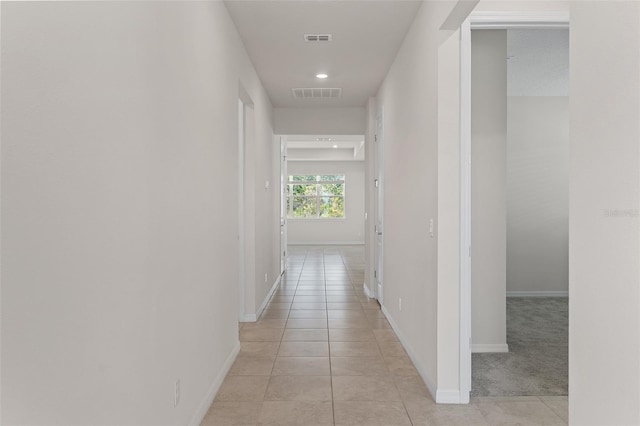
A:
[378, 141]
[283, 203]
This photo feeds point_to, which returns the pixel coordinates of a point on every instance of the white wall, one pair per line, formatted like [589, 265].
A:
[527, 6]
[604, 206]
[448, 224]
[604, 251]
[537, 162]
[119, 219]
[488, 189]
[319, 121]
[320, 154]
[409, 99]
[535, 152]
[538, 195]
[538, 62]
[604, 198]
[349, 230]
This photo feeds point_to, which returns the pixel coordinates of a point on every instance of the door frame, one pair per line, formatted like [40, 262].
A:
[477, 21]
[241, 257]
[246, 257]
[378, 170]
[283, 203]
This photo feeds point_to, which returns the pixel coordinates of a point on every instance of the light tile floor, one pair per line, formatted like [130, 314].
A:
[323, 354]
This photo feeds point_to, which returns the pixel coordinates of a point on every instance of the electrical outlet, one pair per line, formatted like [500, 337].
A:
[266, 278]
[400, 303]
[431, 227]
[176, 393]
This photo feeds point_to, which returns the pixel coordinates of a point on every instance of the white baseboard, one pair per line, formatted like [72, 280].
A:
[411, 353]
[448, 396]
[254, 317]
[249, 318]
[366, 291]
[266, 299]
[537, 294]
[489, 348]
[203, 407]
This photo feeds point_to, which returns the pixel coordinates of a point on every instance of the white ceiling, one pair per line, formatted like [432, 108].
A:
[366, 37]
[325, 148]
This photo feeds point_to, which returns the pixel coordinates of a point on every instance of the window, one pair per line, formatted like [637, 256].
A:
[315, 197]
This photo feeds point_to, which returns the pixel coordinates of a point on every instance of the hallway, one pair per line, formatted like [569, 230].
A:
[324, 354]
[142, 192]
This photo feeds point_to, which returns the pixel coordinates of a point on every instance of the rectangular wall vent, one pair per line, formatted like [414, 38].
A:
[317, 38]
[316, 92]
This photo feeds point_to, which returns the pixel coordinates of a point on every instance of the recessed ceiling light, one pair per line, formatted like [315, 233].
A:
[335, 146]
[321, 75]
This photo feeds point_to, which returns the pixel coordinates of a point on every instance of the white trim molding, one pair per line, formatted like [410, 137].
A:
[519, 20]
[249, 318]
[487, 348]
[448, 396]
[366, 291]
[537, 294]
[465, 214]
[204, 405]
[254, 317]
[411, 353]
[268, 297]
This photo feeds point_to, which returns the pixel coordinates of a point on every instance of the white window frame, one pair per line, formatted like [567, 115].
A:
[318, 183]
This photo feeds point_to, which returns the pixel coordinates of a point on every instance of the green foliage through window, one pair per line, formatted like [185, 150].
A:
[311, 197]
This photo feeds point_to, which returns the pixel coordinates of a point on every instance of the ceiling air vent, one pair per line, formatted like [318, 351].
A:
[317, 38]
[316, 92]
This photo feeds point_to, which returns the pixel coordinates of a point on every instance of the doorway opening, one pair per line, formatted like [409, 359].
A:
[322, 191]
[514, 230]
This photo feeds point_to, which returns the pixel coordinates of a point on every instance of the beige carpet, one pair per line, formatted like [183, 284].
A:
[537, 362]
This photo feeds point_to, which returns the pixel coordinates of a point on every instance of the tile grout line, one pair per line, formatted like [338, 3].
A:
[551, 408]
[339, 287]
[281, 337]
[326, 309]
[279, 347]
[384, 360]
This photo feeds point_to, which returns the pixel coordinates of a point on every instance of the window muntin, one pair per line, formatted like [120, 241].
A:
[315, 197]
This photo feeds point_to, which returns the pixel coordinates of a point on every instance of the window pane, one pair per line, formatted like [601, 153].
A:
[332, 189]
[308, 190]
[331, 177]
[302, 178]
[331, 207]
[304, 206]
